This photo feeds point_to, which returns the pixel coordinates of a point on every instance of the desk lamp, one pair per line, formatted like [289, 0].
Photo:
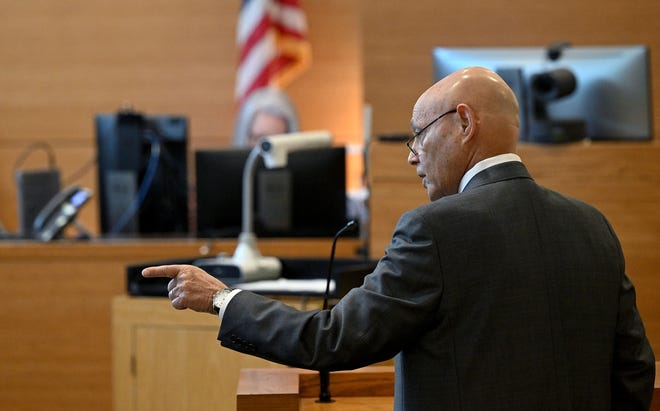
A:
[274, 149]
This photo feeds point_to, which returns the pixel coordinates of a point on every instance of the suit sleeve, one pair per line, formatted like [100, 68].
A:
[633, 366]
[371, 323]
[634, 363]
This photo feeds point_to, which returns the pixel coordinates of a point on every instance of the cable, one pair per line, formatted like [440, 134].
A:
[75, 176]
[31, 149]
[152, 166]
[80, 172]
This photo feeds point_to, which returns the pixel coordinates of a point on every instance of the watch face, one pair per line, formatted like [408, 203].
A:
[219, 297]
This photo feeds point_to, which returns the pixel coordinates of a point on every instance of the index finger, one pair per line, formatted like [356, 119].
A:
[169, 271]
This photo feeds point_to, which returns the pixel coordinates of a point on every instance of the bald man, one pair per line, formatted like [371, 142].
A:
[498, 294]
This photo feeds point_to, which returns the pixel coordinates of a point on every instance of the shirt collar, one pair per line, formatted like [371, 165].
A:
[484, 164]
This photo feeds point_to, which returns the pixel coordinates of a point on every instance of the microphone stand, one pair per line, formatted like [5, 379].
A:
[324, 375]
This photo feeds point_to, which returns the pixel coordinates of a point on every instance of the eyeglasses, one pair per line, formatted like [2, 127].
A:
[411, 140]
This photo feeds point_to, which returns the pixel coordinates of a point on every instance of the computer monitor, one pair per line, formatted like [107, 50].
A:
[611, 99]
[307, 198]
[142, 174]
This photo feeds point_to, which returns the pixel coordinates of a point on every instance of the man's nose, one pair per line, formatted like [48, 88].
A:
[412, 158]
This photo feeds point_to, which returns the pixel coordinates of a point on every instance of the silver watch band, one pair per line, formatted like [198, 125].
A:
[219, 297]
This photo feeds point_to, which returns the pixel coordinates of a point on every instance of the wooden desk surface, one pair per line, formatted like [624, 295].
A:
[287, 389]
[349, 404]
[55, 343]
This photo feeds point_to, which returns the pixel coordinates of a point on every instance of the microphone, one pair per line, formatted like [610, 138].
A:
[324, 376]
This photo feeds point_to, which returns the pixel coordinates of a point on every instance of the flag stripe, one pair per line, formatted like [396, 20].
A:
[272, 38]
[262, 79]
[260, 30]
[254, 63]
[251, 13]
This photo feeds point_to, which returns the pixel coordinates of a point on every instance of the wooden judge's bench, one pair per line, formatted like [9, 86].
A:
[71, 339]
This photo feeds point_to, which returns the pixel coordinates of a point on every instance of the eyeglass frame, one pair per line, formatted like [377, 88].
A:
[411, 140]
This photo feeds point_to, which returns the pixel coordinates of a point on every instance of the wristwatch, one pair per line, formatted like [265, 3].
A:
[219, 298]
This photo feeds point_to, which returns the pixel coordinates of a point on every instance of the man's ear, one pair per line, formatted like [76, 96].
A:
[469, 122]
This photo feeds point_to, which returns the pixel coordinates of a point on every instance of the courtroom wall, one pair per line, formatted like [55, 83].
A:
[61, 62]
[398, 40]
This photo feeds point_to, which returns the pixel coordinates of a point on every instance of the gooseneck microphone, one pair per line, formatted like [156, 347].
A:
[324, 375]
[348, 227]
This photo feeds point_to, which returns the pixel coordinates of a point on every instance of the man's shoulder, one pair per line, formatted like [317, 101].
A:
[445, 209]
[448, 204]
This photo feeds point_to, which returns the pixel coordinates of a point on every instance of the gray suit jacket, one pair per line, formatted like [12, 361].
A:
[508, 296]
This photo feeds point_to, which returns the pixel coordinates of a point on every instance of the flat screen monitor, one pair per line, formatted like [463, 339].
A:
[307, 198]
[611, 99]
[142, 174]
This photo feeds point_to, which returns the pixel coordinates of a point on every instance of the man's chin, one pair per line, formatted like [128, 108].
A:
[429, 193]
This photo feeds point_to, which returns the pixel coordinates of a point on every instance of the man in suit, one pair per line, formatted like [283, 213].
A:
[499, 294]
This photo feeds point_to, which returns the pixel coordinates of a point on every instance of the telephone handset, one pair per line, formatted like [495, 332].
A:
[60, 211]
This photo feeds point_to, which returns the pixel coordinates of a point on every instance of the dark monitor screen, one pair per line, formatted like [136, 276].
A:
[612, 95]
[142, 174]
[307, 198]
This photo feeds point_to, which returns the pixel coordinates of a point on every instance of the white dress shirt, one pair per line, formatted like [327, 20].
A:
[484, 164]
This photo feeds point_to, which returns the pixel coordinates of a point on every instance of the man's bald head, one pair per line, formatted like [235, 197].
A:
[485, 124]
[486, 93]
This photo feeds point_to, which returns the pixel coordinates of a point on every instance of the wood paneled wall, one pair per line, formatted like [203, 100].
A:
[398, 40]
[62, 62]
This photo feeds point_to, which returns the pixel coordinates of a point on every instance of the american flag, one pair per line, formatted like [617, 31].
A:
[272, 39]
